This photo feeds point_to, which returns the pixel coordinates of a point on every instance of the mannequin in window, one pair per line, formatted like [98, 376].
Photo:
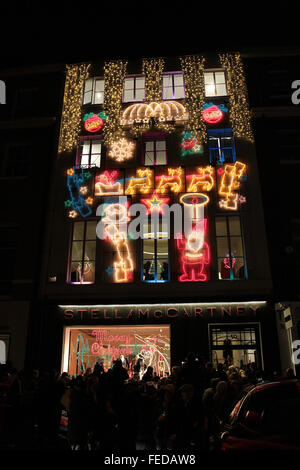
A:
[225, 267]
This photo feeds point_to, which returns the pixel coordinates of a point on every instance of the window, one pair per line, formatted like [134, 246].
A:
[4, 346]
[155, 152]
[134, 89]
[93, 91]
[173, 86]
[230, 250]
[155, 251]
[89, 153]
[215, 84]
[83, 253]
[221, 146]
[18, 160]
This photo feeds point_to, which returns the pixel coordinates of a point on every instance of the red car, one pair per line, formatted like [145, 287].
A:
[266, 418]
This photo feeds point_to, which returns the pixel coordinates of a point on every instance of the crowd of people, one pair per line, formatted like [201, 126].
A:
[108, 411]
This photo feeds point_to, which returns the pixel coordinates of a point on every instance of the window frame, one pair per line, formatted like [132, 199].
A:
[223, 161]
[228, 236]
[93, 90]
[154, 137]
[134, 77]
[6, 338]
[84, 240]
[225, 82]
[155, 238]
[81, 141]
[173, 74]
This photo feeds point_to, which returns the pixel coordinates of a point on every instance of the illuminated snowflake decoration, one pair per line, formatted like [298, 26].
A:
[121, 150]
[83, 189]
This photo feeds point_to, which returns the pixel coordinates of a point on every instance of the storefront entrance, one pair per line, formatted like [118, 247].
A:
[137, 346]
[236, 344]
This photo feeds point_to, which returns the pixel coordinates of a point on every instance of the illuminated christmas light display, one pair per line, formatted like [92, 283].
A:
[239, 112]
[108, 184]
[193, 70]
[116, 215]
[121, 150]
[171, 182]
[230, 182]
[190, 145]
[212, 114]
[161, 110]
[74, 184]
[154, 204]
[71, 114]
[142, 183]
[152, 69]
[202, 181]
[114, 74]
[94, 122]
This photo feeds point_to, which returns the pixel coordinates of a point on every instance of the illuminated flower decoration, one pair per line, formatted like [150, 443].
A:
[87, 175]
[242, 199]
[70, 172]
[94, 122]
[68, 203]
[84, 189]
[212, 114]
[121, 150]
[190, 145]
[89, 200]
[73, 214]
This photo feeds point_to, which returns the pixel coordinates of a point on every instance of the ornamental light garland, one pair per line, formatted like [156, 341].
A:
[71, 114]
[193, 70]
[114, 74]
[239, 111]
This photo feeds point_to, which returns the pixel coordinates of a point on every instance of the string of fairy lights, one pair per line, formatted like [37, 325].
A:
[193, 70]
[114, 74]
[72, 103]
[239, 112]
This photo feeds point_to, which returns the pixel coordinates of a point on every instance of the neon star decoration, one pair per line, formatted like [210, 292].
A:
[108, 183]
[172, 181]
[154, 204]
[116, 215]
[121, 150]
[142, 183]
[203, 181]
[230, 183]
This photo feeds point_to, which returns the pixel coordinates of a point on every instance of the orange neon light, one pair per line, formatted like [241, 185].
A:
[116, 214]
[143, 182]
[154, 203]
[230, 182]
[172, 181]
[203, 181]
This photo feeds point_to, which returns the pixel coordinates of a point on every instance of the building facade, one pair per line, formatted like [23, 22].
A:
[155, 243]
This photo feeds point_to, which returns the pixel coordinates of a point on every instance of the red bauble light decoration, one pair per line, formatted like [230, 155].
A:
[212, 115]
[93, 123]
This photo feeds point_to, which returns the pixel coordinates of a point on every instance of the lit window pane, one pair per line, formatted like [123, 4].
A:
[179, 92]
[129, 84]
[77, 248]
[87, 97]
[140, 95]
[236, 246]
[222, 246]
[161, 158]
[88, 85]
[85, 160]
[168, 93]
[75, 274]
[239, 268]
[178, 80]
[221, 228]
[209, 90]
[86, 147]
[88, 271]
[149, 145]
[162, 269]
[90, 250]
[149, 158]
[91, 230]
[96, 147]
[161, 145]
[234, 226]
[128, 95]
[99, 85]
[140, 82]
[219, 77]
[167, 80]
[209, 78]
[78, 231]
[220, 90]
[96, 160]
[99, 97]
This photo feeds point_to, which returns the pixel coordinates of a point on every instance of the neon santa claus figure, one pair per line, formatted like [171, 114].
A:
[195, 253]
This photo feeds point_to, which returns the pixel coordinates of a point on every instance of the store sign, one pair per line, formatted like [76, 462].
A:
[161, 311]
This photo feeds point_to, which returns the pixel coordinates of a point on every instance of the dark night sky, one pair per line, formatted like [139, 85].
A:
[27, 40]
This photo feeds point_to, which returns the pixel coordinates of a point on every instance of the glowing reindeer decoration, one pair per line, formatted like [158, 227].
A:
[143, 182]
[172, 181]
[203, 181]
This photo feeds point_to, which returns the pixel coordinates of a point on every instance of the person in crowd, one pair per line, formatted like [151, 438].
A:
[148, 376]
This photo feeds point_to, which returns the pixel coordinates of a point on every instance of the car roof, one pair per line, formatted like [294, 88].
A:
[275, 384]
